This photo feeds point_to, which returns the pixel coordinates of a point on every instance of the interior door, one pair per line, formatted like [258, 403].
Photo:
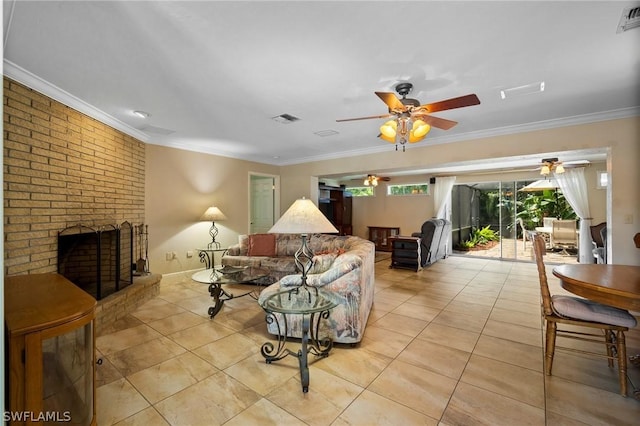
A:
[261, 203]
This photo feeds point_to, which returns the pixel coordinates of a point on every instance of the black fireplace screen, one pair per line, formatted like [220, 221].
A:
[98, 260]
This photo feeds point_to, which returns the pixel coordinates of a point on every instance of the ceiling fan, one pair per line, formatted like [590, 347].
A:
[413, 121]
[554, 165]
[373, 180]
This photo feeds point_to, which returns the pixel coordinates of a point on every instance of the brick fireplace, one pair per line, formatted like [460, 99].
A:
[62, 168]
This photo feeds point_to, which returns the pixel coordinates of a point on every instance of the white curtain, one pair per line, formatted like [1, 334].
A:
[442, 197]
[574, 187]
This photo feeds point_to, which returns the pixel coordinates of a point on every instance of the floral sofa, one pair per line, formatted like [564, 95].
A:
[342, 265]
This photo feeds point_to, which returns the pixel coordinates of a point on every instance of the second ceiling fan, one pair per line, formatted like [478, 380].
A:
[413, 121]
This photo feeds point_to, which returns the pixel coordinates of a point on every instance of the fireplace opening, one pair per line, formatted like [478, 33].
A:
[98, 260]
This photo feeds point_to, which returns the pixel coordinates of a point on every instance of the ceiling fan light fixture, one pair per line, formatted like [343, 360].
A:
[420, 129]
[388, 129]
[370, 180]
[544, 171]
[559, 168]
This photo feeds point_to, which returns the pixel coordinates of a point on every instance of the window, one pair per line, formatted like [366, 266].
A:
[361, 191]
[603, 180]
[408, 189]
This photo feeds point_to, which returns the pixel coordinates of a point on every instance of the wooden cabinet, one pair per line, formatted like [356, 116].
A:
[381, 236]
[336, 204]
[50, 353]
[405, 253]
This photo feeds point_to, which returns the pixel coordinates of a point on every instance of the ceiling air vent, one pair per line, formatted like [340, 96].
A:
[285, 118]
[630, 19]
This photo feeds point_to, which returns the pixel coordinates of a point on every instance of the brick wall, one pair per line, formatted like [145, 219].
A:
[62, 168]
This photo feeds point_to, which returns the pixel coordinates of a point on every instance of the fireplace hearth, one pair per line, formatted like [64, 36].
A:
[98, 260]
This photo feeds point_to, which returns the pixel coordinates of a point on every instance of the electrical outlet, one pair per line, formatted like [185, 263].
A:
[628, 219]
[168, 255]
[189, 254]
[174, 255]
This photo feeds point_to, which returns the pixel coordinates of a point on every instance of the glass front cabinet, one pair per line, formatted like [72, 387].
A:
[49, 325]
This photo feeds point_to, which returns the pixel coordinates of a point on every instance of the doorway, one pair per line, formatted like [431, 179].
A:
[264, 205]
[492, 219]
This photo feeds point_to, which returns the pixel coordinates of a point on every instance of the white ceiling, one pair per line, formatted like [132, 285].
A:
[214, 73]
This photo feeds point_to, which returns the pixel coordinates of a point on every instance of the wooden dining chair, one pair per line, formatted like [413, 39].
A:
[575, 311]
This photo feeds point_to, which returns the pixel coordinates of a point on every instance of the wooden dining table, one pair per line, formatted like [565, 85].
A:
[613, 285]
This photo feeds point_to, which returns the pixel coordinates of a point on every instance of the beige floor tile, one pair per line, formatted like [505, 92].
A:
[372, 409]
[473, 319]
[592, 371]
[590, 405]
[435, 357]
[513, 332]
[105, 371]
[265, 413]
[176, 322]
[327, 397]
[510, 352]
[505, 379]
[123, 339]
[356, 365]
[514, 317]
[201, 334]
[145, 355]
[471, 322]
[471, 405]
[165, 379]
[156, 309]
[435, 302]
[384, 342]
[148, 416]
[255, 373]
[212, 401]
[227, 351]
[451, 337]
[417, 388]
[401, 324]
[117, 401]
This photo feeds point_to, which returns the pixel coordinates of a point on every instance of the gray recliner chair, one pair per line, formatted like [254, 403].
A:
[433, 246]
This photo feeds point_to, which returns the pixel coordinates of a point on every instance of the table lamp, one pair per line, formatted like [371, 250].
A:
[213, 215]
[304, 218]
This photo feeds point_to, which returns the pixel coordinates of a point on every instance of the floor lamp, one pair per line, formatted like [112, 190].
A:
[213, 215]
[304, 218]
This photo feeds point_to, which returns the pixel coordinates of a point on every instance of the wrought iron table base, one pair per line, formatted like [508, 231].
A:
[219, 296]
[309, 343]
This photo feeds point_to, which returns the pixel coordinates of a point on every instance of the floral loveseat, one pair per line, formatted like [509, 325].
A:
[342, 265]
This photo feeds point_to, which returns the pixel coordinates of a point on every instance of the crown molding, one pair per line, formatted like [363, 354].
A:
[488, 133]
[21, 75]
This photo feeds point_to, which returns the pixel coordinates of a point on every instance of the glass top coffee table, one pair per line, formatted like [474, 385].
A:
[216, 277]
[313, 304]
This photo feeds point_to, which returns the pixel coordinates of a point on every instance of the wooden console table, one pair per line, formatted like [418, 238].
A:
[51, 350]
[381, 236]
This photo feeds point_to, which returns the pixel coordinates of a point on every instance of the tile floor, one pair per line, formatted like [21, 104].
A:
[458, 343]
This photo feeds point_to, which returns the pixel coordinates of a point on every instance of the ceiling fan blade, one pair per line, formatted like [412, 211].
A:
[365, 118]
[440, 123]
[462, 101]
[392, 101]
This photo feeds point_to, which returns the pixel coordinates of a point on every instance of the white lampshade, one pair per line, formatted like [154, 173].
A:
[213, 214]
[303, 217]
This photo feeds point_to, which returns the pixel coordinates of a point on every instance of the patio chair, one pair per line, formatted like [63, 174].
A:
[564, 235]
[598, 241]
[575, 311]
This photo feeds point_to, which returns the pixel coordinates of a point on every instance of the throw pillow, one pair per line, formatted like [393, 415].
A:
[262, 245]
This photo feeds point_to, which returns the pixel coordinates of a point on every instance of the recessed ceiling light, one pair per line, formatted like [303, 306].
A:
[323, 133]
[142, 114]
[527, 89]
